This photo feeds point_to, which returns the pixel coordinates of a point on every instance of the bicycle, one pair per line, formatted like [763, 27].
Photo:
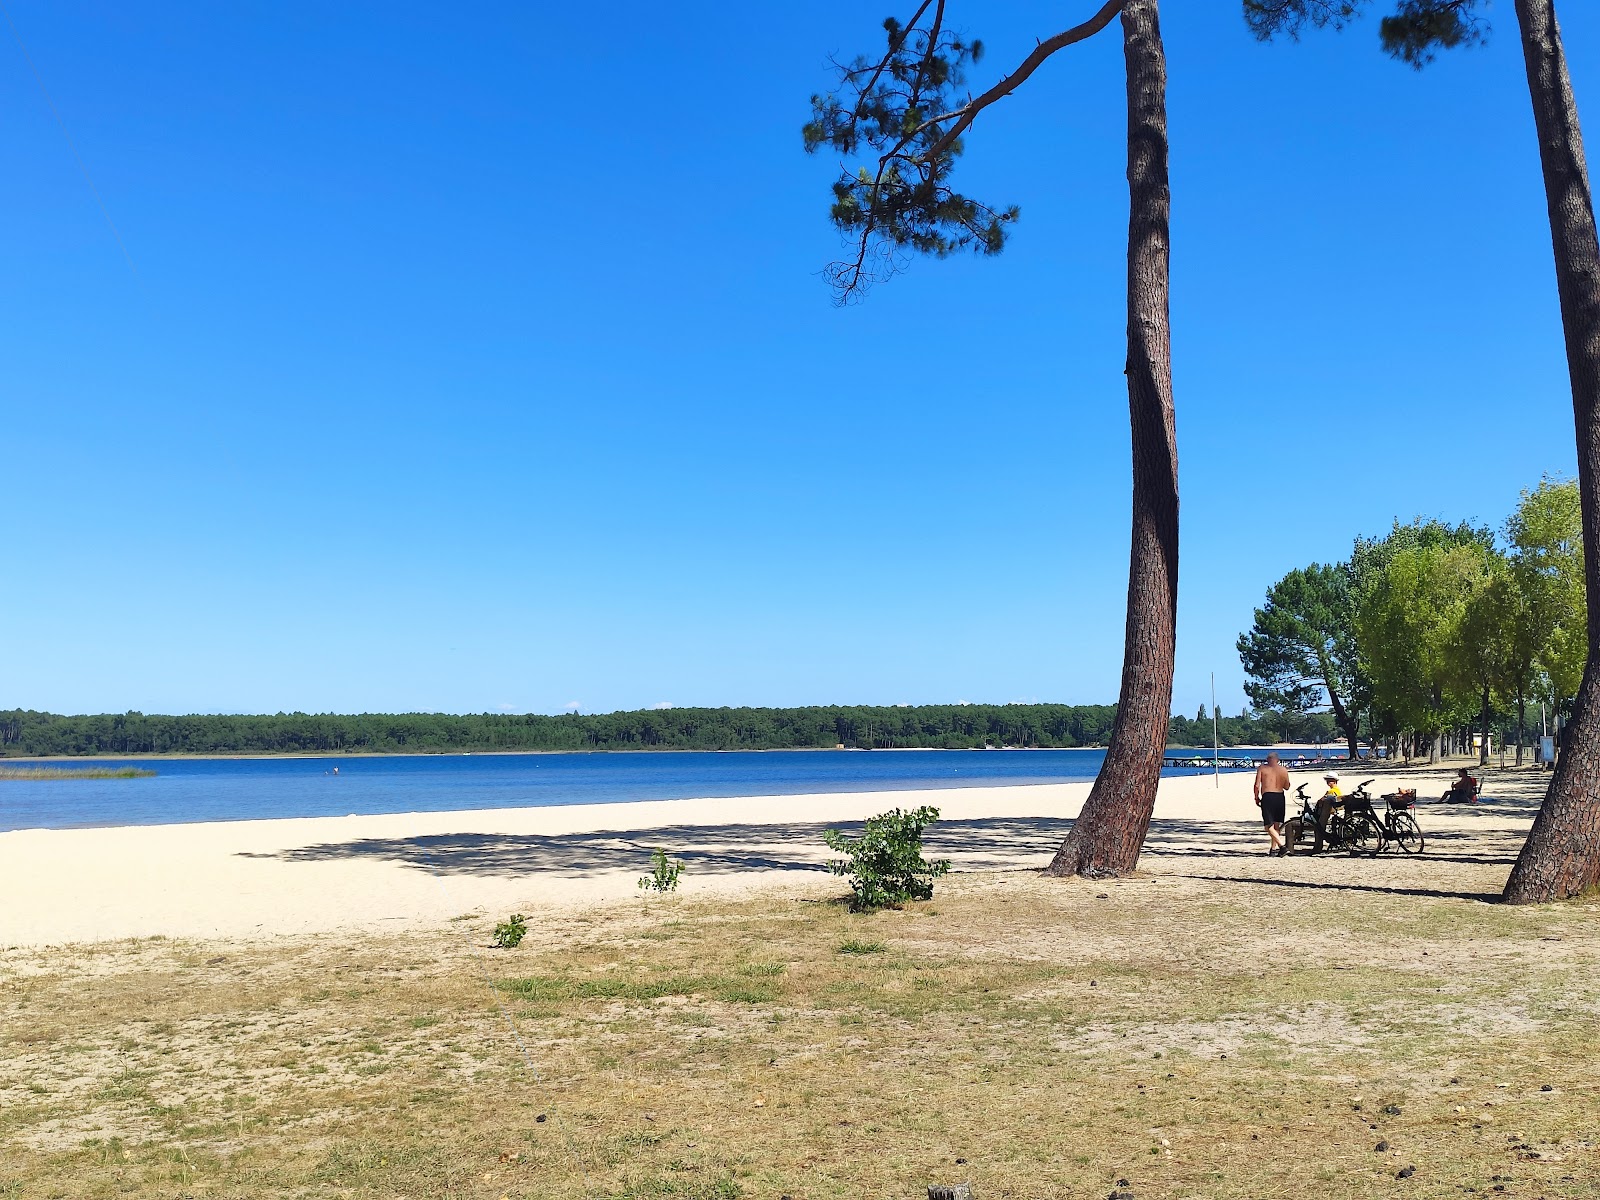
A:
[1356, 830]
[1399, 823]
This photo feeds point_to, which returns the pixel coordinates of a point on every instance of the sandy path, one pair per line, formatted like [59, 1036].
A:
[265, 878]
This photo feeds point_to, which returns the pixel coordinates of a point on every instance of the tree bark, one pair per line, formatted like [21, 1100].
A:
[1483, 720]
[1522, 724]
[1561, 857]
[1110, 831]
[1348, 724]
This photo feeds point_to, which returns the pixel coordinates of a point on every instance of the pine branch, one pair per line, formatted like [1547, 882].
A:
[969, 111]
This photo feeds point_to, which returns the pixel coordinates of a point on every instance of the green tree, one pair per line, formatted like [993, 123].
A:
[1519, 667]
[1491, 624]
[1546, 539]
[1369, 557]
[1561, 857]
[1410, 628]
[1300, 652]
[901, 117]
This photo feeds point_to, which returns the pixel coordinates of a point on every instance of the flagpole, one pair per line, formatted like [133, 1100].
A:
[1216, 747]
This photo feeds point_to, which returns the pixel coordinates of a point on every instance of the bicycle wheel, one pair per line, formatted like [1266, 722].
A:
[1405, 832]
[1365, 835]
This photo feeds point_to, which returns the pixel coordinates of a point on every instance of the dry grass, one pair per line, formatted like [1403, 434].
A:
[1201, 1031]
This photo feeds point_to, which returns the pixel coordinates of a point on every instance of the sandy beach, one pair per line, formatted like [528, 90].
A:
[254, 879]
[316, 1019]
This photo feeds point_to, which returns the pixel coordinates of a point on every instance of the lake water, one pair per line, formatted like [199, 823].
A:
[252, 789]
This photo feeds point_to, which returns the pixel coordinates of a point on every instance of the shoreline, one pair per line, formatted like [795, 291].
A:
[224, 756]
[322, 875]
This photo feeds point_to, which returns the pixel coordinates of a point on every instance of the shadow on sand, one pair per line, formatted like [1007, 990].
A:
[1002, 843]
[705, 849]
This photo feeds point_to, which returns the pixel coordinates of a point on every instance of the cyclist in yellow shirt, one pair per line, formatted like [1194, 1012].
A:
[1333, 798]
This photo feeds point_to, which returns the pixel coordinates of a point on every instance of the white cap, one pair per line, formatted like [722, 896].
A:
[1332, 775]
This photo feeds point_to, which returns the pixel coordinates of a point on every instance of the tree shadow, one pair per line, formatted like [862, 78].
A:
[704, 849]
[998, 843]
[1331, 885]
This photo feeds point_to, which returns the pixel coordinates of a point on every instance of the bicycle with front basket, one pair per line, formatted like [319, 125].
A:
[1400, 823]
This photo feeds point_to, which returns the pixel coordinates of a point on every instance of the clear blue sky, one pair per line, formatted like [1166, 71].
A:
[477, 357]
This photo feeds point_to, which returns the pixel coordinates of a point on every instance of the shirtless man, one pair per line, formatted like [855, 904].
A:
[1272, 781]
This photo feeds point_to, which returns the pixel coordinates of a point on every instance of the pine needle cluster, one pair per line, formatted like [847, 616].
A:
[890, 121]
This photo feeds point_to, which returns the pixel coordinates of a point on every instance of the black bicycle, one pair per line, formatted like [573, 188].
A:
[1355, 830]
[1399, 822]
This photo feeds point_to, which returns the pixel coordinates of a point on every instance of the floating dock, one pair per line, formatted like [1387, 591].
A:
[1208, 763]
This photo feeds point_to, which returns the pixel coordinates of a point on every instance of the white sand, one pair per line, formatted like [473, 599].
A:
[264, 878]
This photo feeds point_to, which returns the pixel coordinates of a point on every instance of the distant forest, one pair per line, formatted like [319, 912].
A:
[936, 726]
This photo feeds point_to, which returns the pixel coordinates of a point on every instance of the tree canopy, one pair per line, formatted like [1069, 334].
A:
[1300, 652]
[897, 122]
[935, 726]
[1414, 32]
[1432, 625]
[1546, 545]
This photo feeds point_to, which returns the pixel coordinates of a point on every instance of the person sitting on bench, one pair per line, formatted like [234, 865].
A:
[1463, 791]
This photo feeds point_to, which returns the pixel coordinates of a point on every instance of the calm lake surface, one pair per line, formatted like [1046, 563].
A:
[252, 789]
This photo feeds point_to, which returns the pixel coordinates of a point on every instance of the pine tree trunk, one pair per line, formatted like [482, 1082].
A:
[1110, 831]
[1562, 854]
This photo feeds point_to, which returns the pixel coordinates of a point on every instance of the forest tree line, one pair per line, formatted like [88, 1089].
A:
[1433, 631]
[934, 726]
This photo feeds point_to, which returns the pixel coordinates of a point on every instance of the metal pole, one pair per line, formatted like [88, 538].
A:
[1216, 746]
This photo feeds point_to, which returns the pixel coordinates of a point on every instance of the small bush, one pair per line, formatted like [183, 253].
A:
[509, 933]
[884, 865]
[663, 875]
[856, 946]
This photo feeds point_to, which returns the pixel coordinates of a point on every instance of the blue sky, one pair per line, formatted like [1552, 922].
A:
[476, 357]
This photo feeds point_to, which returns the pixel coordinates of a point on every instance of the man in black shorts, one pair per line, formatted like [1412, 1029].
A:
[1272, 781]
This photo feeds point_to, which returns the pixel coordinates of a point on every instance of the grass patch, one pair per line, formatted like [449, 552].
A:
[1053, 1042]
[858, 946]
[731, 989]
[724, 1187]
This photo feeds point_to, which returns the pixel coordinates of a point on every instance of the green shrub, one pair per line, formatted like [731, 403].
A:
[884, 865]
[509, 933]
[663, 875]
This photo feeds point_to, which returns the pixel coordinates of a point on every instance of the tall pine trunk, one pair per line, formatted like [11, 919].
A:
[1110, 831]
[1562, 854]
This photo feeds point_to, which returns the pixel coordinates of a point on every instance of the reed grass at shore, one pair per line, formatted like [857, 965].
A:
[75, 773]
